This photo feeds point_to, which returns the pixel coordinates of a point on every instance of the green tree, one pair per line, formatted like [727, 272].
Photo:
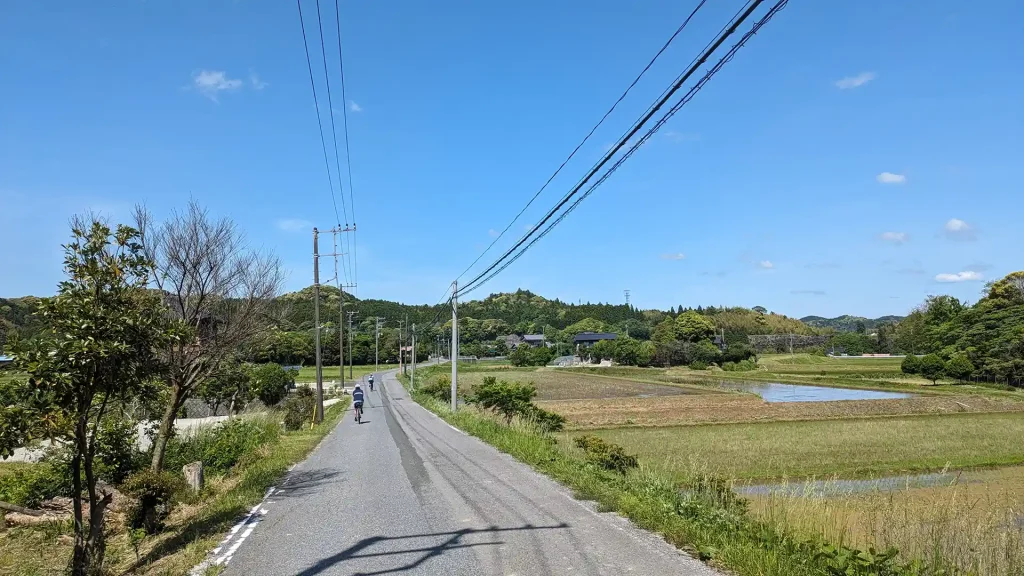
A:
[521, 356]
[541, 355]
[270, 383]
[694, 327]
[228, 387]
[932, 367]
[706, 353]
[96, 351]
[959, 367]
[665, 331]
[911, 365]
[603, 350]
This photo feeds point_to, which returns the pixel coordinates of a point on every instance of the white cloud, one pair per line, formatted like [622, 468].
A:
[355, 107]
[965, 276]
[956, 229]
[493, 233]
[766, 264]
[894, 237]
[891, 178]
[211, 83]
[855, 81]
[255, 82]
[676, 256]
[293, 224]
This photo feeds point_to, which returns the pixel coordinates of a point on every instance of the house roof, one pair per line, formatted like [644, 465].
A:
[533, 337]
[594, 336]
[6, 358]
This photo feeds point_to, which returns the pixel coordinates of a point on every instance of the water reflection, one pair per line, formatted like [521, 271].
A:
[776, 392]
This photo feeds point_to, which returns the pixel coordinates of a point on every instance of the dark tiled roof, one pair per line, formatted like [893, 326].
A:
[594, 336]
[533, 337]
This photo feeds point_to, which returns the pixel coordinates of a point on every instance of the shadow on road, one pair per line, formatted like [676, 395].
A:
[452, 541]
[305, 482]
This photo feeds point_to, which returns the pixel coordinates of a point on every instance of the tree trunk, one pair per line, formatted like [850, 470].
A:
[80, 559]
[166, 428]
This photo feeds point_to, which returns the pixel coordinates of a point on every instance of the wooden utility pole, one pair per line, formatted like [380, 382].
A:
[412, 360]
[316, 328]
[350, 315]
[455, 344]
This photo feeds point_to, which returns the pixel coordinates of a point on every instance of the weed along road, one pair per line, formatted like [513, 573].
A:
[405, 493]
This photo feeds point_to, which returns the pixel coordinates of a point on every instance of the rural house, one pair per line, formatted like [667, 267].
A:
[588, 339]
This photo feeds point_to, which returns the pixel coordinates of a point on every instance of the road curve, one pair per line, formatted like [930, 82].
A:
[405, 493]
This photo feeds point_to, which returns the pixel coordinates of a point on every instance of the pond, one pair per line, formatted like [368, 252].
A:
[776, 392]
[840, 488]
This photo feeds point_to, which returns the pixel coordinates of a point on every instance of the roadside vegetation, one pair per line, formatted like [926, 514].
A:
[699, 511]
[150, 316]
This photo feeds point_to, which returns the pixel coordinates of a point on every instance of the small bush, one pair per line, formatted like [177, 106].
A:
[509, 399]
[152, 499]
[117, 454]
[441, 388]
[605, 454]
[270, 383]
[545, 420]
[741, 366]
[298, 408]
[221, 447]
[698, 365]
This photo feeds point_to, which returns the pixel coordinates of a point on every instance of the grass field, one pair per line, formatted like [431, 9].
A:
[846, 448]
[308, 373]
[561, 385]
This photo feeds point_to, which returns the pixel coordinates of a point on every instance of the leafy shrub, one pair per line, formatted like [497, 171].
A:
[738, 353]
[270, 383]
[117, 453]
[152, 498]
[605, 454]
[911, 365]
[30, 485]
[220, 447]
[698, 365]
[741, 366]
[510, 399]
[546, 421]
[441, 388]
[298, 408]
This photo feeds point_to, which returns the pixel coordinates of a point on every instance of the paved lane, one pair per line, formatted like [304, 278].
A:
[405, 493]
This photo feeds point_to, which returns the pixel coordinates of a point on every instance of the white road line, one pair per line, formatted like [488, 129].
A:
[215, 558]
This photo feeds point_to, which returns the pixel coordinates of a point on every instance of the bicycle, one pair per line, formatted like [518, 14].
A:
[359, 413]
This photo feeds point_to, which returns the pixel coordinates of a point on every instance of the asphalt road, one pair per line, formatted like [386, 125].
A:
[405, 493]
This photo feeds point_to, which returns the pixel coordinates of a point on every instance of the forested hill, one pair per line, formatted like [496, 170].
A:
[847, 323]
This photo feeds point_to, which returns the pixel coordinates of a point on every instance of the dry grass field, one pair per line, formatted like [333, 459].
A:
[562, 385]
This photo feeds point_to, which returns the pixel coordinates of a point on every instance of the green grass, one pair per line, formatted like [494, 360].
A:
[561, 385]
[856, 447]
[308, 373]
[192, 531]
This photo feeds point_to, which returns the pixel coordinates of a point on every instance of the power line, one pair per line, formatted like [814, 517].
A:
[348, 157]
[587, 137]
[316, 103]
[481, 279]
[334, 135]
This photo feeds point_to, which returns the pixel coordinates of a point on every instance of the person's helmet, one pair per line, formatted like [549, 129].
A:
[357, 385]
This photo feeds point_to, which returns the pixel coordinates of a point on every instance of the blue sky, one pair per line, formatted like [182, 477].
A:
[853, 158]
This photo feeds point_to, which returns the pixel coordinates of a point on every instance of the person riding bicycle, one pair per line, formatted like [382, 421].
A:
[371, 382]
[357, 400]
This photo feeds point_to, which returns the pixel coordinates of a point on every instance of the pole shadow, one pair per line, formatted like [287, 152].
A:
[452, 541]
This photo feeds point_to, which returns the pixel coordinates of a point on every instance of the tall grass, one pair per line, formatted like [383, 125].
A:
[948, 526]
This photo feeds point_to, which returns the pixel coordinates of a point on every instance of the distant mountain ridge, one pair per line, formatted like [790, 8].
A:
[847, 323]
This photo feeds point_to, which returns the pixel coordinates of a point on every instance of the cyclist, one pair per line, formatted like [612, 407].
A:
[357, 401]
[371, 382]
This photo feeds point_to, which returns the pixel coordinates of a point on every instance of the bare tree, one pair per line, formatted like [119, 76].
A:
[217, 288]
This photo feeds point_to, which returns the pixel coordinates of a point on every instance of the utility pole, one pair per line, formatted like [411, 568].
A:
[401, 344]
[341, 331]
[412, 377]
[316, 327]
[455, 344]
[350, 315]
[405, 364]
[376, 344]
